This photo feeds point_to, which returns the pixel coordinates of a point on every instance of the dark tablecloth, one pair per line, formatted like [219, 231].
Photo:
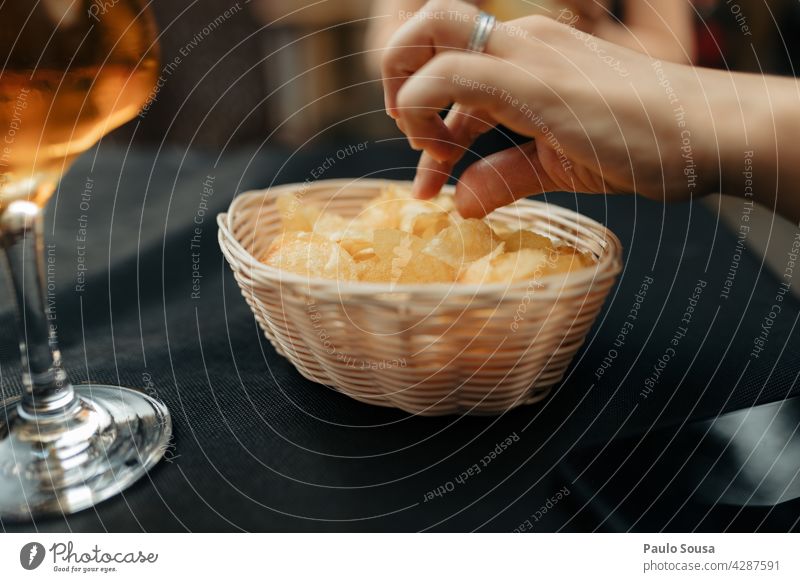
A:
[258, 447]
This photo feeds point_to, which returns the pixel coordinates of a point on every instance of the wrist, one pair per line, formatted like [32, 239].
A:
[759, 142]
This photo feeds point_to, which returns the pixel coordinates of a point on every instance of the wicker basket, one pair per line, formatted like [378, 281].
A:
[428, 349]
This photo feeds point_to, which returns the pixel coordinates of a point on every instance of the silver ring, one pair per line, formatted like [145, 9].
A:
[480, 34]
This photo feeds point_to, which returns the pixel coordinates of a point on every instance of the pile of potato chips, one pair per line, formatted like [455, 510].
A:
[398, 239]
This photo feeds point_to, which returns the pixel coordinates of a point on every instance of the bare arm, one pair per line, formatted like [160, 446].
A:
[757, 128]
[662, 29]
[667, 131]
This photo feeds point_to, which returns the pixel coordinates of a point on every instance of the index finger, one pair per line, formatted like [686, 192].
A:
[440, 25]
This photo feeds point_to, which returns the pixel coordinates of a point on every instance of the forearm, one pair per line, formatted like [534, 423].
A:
[656, 42]
[759, 142]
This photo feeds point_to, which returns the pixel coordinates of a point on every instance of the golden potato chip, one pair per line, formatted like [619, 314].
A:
[399, 259]
[395, 208]
[440, 203]
[427, 269]
[403, 269]
[375, 270]
[383, 211]
[398, 239]
[358, 248]
[568, 260]
[508, 267]
[525, 239]
[390, 242]
[295, 215]
[501, 229]
[311, 255]
[463, 242]
[520, 265]
[337, 228]
[478, 271]
[411, 210]
[299, 216]
[429, 224]
[444, 203]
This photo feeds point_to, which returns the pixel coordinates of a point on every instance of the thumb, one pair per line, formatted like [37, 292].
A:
[505, 176]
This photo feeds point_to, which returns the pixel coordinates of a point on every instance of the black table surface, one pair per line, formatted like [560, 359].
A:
[259, 448]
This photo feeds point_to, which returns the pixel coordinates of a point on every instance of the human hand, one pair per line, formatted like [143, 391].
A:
[604, 119]
[585, 15]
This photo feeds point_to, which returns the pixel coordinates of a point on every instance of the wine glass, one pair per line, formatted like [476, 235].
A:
[70, 71]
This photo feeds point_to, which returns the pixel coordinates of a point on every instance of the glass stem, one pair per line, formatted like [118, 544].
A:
[47, 392]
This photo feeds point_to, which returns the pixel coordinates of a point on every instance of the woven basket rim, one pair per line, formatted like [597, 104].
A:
[608, 264]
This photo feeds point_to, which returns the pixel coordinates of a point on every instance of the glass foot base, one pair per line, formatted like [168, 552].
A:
[59, 465]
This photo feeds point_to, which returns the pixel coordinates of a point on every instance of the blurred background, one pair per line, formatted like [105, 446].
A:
[288, 74]
[284, 71]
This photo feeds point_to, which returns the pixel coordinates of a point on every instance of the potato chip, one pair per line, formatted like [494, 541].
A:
[389, 242]
[395, 208]
[501, 229]
[519, 265]
[478, 271]
[424, 268]
[294, 214]
[569, 260]
[399, 239]
[337, 229]
[383, 211]
[399, 259]
[411, 210]
[375, 270]
[311, 255]
[525, 239]
[402, 269]
[359, 249]
[428, 225]
[465, 241]
[440, 203]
